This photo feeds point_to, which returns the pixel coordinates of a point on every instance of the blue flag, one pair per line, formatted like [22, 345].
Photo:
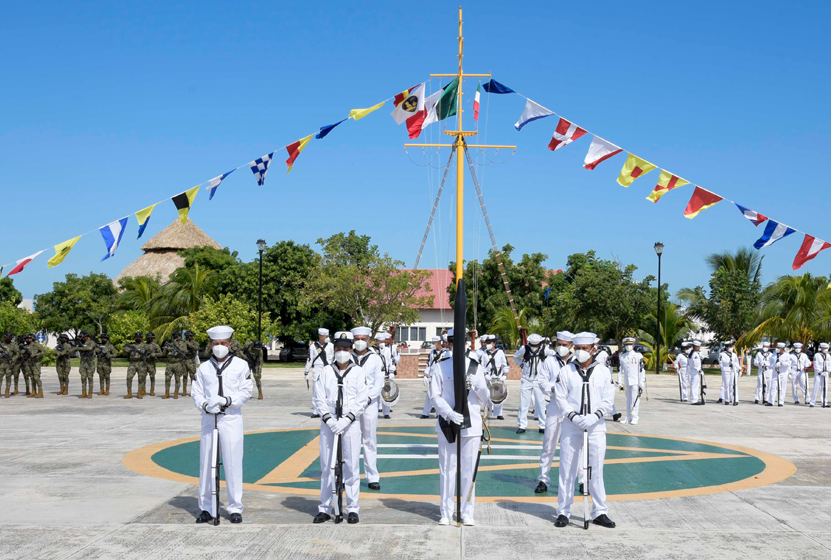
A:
[547, 290]
[112, 234]
[495, 87]
[214, 183]
[324, 130]
[774, 231]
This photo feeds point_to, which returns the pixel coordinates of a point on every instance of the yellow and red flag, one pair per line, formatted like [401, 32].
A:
[701, 200]
[295, 148]
[666, 182]
[632, 169]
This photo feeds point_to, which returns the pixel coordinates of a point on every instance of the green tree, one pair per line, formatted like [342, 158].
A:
[16, 320]
[122, 326]
[136, 293]
[505, 325]
[227, 310]
[210, 258]
[179, 298]
[8, 292]
[78, 303]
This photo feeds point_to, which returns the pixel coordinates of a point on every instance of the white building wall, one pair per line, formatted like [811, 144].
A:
[431, 323]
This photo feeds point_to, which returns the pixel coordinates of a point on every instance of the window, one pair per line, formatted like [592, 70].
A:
[413, 333]
[401, 333]
[422, 334]
[438, 331]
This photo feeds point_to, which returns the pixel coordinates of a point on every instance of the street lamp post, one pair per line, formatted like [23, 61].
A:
[261, 248]
[659, 249]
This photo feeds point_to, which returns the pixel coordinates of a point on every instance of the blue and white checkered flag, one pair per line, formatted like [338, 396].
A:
[213, 184]
[260, 167]
[112, 234]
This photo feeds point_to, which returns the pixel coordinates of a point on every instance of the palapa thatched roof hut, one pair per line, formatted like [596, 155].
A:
[161, 255]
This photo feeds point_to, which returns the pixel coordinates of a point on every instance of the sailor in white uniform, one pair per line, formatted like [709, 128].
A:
[633, 378]
[370, 361]
[435, 354]
[553, 417]
[681, 367]
[321, 354]
[496, 366]
[731, 371]
[781, 364]
[822, 367]
[764, 372]
[798, 375]
[530, 358]
[696, 374]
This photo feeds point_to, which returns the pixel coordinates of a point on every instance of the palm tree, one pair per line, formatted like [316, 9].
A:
[505, 325]
[744, 259]
[137, 293]
[675, 327]
[180, 297]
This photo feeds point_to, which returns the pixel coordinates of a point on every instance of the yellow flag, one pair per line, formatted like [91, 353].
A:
[143, 216]
[632, 169]
[358, 114]
[666, 182]
[62, 250]
[184, 201]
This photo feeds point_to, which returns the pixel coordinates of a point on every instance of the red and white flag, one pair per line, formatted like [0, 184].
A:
[410, 108]
[600, 151]
[476, 103]
[565, 133]
[23, 263]
[811, 247]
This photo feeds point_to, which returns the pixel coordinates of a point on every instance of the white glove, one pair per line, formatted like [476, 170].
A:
[306, 376]
[590, 420]
[455, 417]
[577, 421]
[217, 401]
[341, 425]
[331, 422]
[212, 408]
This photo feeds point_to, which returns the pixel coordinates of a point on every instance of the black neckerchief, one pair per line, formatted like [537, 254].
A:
[585, 396]
[220, 370]
[534, 361]
[340, 378]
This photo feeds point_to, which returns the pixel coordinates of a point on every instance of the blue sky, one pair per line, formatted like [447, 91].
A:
[108, 108]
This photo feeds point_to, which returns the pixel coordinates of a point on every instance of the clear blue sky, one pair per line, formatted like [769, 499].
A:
[107, 108]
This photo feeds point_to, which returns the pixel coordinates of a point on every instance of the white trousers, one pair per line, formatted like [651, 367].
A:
[351, 447]
[496, 409]
[528, 391]
[447, 474]
[230, 445]
[553, 427]
[763, 385]
[571, 446]
[776, 389]
[820, 390]
[369, 425]
[633, 404]
[695, 387]
[799, 382]
[428, 404]
[685, 385]
[729, 384]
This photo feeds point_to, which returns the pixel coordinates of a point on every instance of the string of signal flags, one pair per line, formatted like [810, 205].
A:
[418, 110]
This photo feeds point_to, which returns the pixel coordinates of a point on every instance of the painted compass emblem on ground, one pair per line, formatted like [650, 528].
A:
[637, 467]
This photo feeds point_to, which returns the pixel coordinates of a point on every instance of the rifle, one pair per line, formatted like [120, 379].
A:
[585, 411]
[134, 350]
[5, 352]
[216, 462]
[169, 344]
[102, 351]
[337, 466]
[485, 438]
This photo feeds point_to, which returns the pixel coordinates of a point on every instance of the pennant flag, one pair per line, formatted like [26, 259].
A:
[633, 168]
[324, 130]
[411, 110]
[112, 234]
[441, 104]
[62, 250]
[701, 200]
[666, 182]
[358, 114]
[476, 102]
[214, 183]
[23, 263]
[401, 97]
[532, 112]
[564, 134]
[184, 201]
[1, 270]
[495, 87]
[143, 216]
[295, 149]
[752, 215]
[774, 231]
[811, 246]
[259, 167]
[600, 151]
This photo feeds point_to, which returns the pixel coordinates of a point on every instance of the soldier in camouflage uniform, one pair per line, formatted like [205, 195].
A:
[191, 362]
[23, 362]
[135, 352]
[36, 351]
[87, 351]
[63, 352]
[253, 354]
[176, 353]
[8, 361]
[106, 353]
[154, 352]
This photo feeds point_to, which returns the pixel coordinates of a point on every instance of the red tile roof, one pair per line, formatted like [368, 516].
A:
[439, 280]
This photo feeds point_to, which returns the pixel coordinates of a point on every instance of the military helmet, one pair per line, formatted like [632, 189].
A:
[138, 334]
[189, 333]
[177, 335]
[104, 336]
[8, 335]
[150, 335]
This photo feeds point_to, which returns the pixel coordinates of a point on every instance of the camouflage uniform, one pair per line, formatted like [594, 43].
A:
[190, 364]
[236, 348]
[252, 352]
[63, 352]
[106, 353]
[23, 362]
[153, 353]
[176, 353]
[35, 360]
[87, 369]
[8, 362]
[135, 352]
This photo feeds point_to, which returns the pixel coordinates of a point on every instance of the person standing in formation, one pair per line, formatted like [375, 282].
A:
[584, 394]
[104, 365]
[134, 351]
[530, 358]
[153, 352]
[633, 378]
[252, 351]
[481, 352]
[63, 354]
[435, 354]
[8, 363]
[781, 364]
[340, 397]
[373, 367]
[822, 367]
[731, 371]
[763, 361]
[176, 354]
[390, 357]
[86, 350]
[443, 393]
[221, 387]
[681, 367]
[192, 362]
[36, 352]
[696, 374]
[550, 373]
[23, 362]
[798, 375]
[321, 354]
[496, 366]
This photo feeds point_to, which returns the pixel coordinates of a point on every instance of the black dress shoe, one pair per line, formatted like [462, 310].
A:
[720, 400]
[520, 431]
[321, 518]
[500, 417]
[562, 521]
[726, 404]
[616, 417]
[352, 518]
[781, 405]
[735, 404]
[387, 416]
[374, 485]
[315, 415]
[768, 404]
[542, 430]
[236, 518]
[432, 410]
[423, 416]
[541, 487]
[604, 521]
[756, 401]
[204, 517]
[580, 489]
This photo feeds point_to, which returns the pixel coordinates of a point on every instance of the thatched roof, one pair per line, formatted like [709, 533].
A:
[161, 256]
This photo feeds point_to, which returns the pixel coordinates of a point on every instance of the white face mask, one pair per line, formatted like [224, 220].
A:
[489, 346]
[582, 356]
[342, 356]
[359, 345]
[628, 347]
[824, 350]
[382, 345]
[562, 351]
[326, 341]
[220, 351]
[535, 347]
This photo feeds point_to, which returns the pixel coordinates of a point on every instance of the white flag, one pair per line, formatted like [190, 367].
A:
[600, 151]
[532, 112]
